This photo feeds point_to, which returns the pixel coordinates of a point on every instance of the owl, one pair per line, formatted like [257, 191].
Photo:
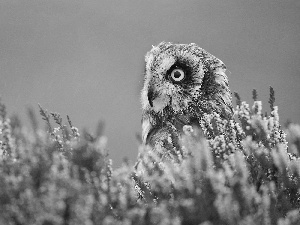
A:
[182, 83]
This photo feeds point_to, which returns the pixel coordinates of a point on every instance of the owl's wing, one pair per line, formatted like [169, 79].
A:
[215, 87]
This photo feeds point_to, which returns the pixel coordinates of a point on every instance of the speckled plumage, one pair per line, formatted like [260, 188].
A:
[169, 103]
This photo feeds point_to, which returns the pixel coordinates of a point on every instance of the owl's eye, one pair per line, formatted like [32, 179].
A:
[177, 75]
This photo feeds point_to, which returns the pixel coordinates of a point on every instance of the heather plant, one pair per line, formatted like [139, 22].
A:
[242, 171]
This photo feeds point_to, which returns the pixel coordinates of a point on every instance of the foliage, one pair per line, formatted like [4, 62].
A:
[241, 171]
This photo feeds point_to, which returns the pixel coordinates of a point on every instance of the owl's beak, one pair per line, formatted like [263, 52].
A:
[151, 96]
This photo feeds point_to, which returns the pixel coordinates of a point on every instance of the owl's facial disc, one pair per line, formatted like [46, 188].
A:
[165, 90]
[173, 78]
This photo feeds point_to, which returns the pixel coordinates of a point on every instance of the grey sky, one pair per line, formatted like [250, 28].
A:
[86, 58]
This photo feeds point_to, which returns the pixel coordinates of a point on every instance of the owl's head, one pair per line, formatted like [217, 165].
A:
[177, 75]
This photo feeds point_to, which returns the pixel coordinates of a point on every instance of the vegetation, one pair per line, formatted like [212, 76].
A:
[245, 171]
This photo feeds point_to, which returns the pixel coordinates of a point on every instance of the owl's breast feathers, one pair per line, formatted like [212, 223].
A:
[156, 126]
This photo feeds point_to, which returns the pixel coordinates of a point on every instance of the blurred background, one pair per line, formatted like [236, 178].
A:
[85, 58]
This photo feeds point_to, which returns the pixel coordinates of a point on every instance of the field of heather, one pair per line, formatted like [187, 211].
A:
[61, 175]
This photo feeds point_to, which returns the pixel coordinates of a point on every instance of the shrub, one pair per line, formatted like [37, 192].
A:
[241, 171]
